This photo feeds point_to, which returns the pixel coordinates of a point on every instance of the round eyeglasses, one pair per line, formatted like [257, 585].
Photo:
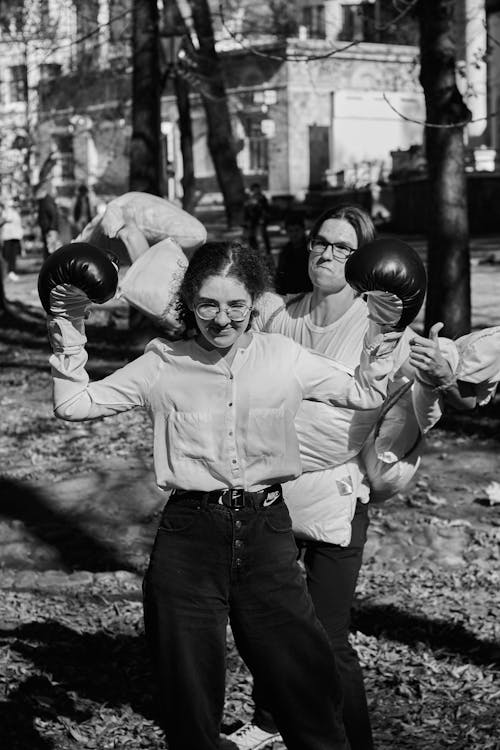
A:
[209, 311]
[317, 246]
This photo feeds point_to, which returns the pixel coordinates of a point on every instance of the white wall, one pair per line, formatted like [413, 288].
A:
[365, 128]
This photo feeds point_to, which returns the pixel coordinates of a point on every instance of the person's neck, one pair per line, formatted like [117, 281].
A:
[327, 308]
[228, 354]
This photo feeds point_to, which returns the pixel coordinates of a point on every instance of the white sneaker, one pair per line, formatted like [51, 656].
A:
[252, 737]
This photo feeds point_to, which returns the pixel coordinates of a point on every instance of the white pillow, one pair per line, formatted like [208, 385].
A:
[156, 217]
[152, 282]
[393, 451]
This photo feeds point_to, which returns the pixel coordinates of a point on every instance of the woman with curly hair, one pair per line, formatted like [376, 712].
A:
[223, 405]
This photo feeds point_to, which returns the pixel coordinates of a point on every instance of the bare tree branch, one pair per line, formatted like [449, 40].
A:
[239, 39]
[426, 124]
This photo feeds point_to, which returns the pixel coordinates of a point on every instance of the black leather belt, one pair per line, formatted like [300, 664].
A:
[232, 498]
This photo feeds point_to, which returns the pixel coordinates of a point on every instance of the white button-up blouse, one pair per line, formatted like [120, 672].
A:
[217, 426]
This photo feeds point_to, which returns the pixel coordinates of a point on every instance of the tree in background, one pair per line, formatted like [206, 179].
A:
[448, 295]
[176, 35]
[188, 181]
[29, 37]
[145, 145]
[433, 25]
[277, 17]
[220, 138]
[146, 98]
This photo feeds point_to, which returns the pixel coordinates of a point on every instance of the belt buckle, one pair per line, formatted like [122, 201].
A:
[237, 498]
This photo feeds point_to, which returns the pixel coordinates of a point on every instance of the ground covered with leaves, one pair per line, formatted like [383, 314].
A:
[74, 672]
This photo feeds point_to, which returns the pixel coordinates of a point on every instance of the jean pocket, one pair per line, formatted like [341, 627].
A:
[178, 519]
[277, 518]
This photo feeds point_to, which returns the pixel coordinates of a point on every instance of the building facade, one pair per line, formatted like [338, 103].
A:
[322, 101]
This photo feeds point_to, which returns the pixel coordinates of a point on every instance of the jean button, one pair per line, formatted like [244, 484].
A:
[237, 524]
[238, 543]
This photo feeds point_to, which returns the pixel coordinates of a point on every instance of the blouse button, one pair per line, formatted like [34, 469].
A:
[230, 403]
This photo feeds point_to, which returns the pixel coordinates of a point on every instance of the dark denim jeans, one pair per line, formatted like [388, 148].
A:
[332, 574]
[208, 563]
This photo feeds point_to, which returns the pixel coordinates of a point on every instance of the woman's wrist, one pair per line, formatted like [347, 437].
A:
[439, 381]
[446, 385]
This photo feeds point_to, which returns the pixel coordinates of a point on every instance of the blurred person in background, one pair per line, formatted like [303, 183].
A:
[84, 210]
[11, 229]
[380, 214]
[292, 275]
[256, 217]
[48, 218]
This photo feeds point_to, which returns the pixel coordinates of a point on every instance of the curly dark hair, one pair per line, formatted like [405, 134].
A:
[232, 258]
[356, 216]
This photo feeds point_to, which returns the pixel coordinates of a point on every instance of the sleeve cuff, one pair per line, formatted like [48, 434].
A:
[66, 336]
[381, 345]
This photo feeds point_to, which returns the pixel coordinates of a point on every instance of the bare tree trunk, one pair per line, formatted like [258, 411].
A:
[448, 295]
[3, 301]
[145, 164]
[220, 138]
[186, 131]
[177, 32]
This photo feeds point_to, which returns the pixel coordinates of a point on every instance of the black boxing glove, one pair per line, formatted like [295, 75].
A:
[69, 280]
[393, 276]
[75, 275]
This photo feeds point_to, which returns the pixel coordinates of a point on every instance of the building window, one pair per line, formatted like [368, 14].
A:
[313, 18]
[258, 152]
[18, 83]
[44, 11]
[119, 21]
[49, 71]
[352, 23]
[45, 20]
[11, 16]
[66, 158]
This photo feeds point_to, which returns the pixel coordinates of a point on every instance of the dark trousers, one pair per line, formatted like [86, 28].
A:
[208, 563]
[11, 249]
[332, 574]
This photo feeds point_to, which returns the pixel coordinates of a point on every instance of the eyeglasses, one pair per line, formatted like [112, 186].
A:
[209, 311]
[317, 246]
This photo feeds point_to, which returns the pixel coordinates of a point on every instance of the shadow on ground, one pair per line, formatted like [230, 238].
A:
[443, 637]
[29, 518]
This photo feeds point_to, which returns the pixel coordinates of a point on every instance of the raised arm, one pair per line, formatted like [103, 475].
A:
[115, 225]
[70, 279]
[323, 379]
[391, 276]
